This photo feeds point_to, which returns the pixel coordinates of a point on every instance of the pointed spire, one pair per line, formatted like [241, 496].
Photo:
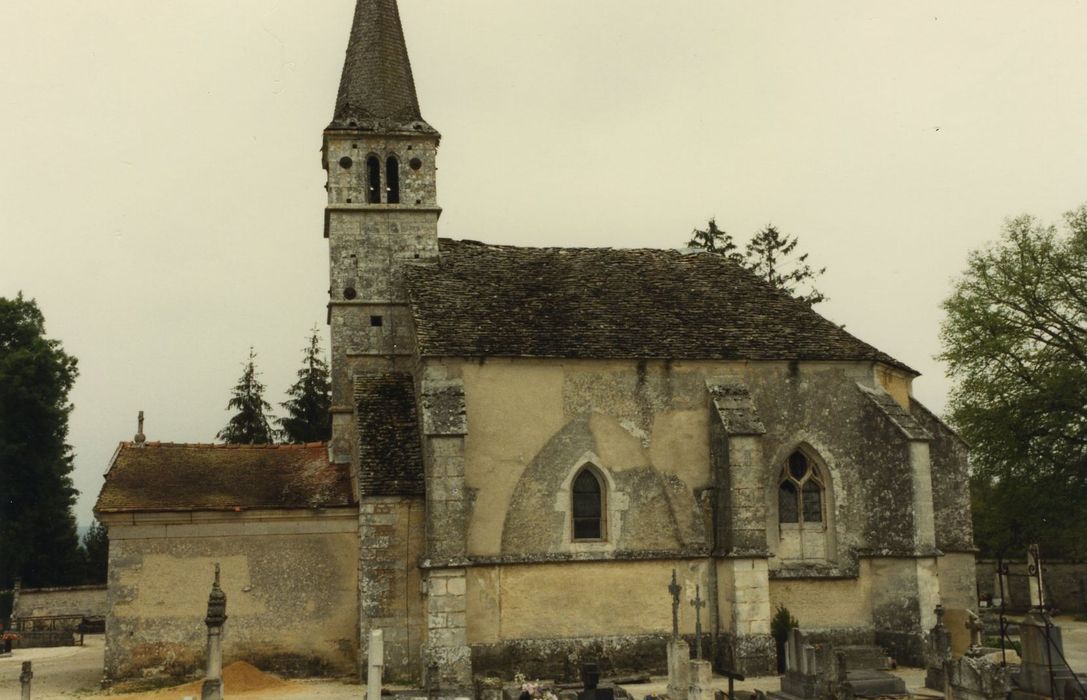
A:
[377, 89]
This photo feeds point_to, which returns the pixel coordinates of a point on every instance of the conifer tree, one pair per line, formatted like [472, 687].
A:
[768, 255]
[715, 240]
[308, 408]
[250, 425]
[96, 547]
[38, 540]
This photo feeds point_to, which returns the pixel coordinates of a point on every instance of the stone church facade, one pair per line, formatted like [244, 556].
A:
[528, 441]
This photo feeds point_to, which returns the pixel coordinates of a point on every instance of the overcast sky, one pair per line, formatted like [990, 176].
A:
[161, 193]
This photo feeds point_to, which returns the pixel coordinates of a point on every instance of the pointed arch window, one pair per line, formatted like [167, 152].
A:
[588, 506]
[800, 491]
[392, 180]
[373, 180]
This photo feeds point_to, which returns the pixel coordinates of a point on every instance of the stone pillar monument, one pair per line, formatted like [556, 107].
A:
[679, 652]
[213, 680]
[24, 680]
[375, 662]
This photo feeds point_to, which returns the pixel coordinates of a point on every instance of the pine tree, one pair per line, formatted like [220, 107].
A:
[308, 408]
[38, 540]
[715, 240]
[96, 547]
[250, 425]
[767, 255]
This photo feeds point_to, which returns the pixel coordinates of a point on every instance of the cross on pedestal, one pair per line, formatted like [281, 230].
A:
[674, 588]
[698, 604]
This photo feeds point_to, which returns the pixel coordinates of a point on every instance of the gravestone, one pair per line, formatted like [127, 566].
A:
[590, 678]
[814, 671]
[976, 678]
[679, 652]
[937, 653]
[24, 679]
[212, 688]
[1043, 672]
[701, 680]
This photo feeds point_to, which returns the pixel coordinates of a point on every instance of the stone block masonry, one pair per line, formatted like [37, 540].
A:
[447, 650]
[390, 586]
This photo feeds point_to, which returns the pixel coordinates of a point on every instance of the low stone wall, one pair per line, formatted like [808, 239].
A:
[86, 601]
[1065, 584]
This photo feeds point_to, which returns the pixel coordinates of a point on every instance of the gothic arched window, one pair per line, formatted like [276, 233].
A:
[392, 180]
[373, 180]
[588, 506]
[800, 491]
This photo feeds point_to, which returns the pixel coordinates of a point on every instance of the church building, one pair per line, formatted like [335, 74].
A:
[527, 443]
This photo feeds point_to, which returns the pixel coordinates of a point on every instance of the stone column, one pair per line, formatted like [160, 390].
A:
[743, 576]
[445, 423]
[216, 618]
[679, 668]
[375, 661]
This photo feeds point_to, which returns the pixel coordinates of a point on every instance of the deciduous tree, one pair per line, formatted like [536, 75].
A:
[250, 424]
[38, 540]
[1015, 340]
[308, 418]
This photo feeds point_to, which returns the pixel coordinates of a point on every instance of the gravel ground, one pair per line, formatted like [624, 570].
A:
[75, 672]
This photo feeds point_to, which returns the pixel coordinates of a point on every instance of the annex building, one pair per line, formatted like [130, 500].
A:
[527, 442]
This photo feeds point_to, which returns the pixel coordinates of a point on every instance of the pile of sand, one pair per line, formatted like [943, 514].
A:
[239, 677]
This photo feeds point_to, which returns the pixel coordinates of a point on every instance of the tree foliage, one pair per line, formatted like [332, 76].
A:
[96, 549]
[1015, 340]
[308, 408]
[769, 254]
[250, 424]
[38, 540]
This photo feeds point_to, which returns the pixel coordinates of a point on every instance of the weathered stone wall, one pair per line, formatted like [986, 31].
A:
[652, 430]
[88, 601]
[544, 619]
[291, 580]
[950, 483]
[390, 585]
[1065, 584]
[958, 582]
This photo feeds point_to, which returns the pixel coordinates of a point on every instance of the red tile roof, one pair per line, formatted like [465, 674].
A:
[179, 477]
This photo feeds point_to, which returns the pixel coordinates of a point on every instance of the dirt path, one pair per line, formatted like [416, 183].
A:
[75, 672]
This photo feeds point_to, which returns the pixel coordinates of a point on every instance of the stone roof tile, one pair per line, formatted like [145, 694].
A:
[490, 300]
[390, 448]
[178, 477]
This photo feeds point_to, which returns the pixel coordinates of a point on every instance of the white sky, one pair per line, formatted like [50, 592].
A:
[161, 193]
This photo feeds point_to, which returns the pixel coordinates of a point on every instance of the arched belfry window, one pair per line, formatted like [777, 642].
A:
[588, 506]
[800, 491]
[392, 180]
[373, 180]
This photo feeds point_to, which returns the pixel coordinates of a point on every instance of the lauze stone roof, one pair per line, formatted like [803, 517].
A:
[481, 300]
[390, 452]
[377, 89]
[182, 477]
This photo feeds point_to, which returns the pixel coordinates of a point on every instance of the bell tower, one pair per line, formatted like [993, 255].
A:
[382, 209]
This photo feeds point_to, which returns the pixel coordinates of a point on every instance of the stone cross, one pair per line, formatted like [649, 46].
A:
[24, 679]
[140, 438]
[375, 658]
[674, 588]
[698, 604]
[213, 680]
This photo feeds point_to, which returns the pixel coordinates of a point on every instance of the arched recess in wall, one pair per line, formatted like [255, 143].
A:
[373, 179]
[392, 180]
[587, 506]
[800, 526]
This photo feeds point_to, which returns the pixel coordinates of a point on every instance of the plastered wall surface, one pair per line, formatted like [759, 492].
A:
[291, 586]
[958, 581]
[825, 603]
[545, 601]
[88, 601]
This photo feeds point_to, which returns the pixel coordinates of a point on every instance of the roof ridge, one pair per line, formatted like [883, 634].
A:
[226, 446]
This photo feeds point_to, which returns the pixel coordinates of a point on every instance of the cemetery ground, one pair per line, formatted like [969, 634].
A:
[74, 672]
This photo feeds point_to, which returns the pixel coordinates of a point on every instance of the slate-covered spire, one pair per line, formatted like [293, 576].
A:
[377, 89]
